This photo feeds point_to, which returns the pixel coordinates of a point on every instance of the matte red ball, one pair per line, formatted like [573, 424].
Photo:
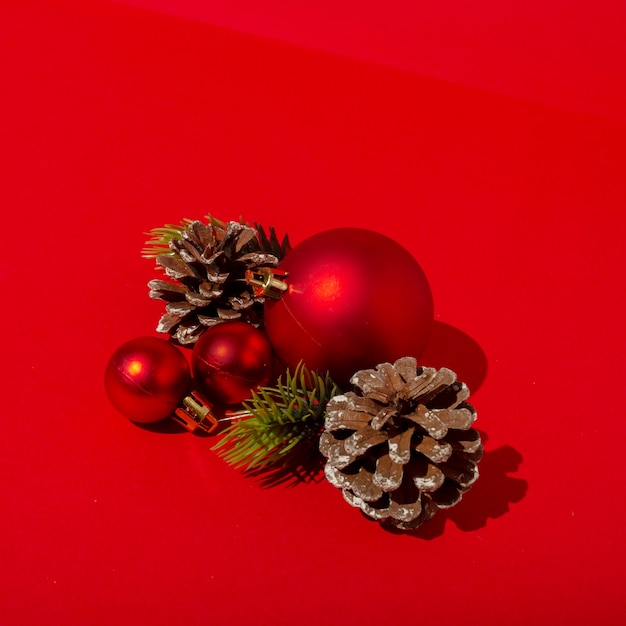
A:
[356, 298]
[146, 379]
[229, 360]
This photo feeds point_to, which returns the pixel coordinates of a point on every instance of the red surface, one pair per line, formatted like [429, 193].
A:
[562, 53]
[116, 120]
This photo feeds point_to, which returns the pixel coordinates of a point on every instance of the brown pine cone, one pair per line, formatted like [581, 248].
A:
[206, 266]
[401, 445]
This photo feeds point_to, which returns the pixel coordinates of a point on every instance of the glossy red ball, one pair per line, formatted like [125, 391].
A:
[146, 379]
[229, 360]
[356, 298]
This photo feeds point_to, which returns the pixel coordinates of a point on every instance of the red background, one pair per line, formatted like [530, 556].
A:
[117, 119]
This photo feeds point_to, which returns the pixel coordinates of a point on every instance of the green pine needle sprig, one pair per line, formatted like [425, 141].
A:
[277, 421]
[160, 238]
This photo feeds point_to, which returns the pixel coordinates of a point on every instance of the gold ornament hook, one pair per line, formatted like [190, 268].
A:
[196, 414]
[267, 281]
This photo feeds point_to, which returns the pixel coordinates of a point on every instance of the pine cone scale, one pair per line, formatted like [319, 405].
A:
[383, 416]
[400, 446]
[416, 387]
[389, 473]
[167, 322]
[336, 452]
[463, 471]
[258, 259]
[442, 380]
[459, 419]
[196, 300]
[228, 314]
[406, 512]
[467, 441]
[187, 250]
[447, 495]
[188, 335]
[175, 268]
[164, 290]
[208, 322]
[344, 417]
[200, 234]
[428, 421]
[336, 477]
[242, 302]
[364, 487]
[362, 440]
[433, 450]
[407, 369]
[426, 476]
[210, 289]
[181, 309]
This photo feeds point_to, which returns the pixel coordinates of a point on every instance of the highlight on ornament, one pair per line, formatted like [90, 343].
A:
[277, 350]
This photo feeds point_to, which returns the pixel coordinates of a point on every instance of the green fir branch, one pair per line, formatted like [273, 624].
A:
[277, 421]
[219, 225]
[159, 242]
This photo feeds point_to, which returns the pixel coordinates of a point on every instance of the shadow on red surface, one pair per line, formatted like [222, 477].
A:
[452, 348]
[488, 499]
[308, 469]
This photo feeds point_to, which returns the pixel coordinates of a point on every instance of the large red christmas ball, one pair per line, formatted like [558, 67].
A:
[146, 379]
[229, 360]
[355, 298]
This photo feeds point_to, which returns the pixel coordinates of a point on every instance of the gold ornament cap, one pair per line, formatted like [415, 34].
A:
[195, 414]
[268, 282]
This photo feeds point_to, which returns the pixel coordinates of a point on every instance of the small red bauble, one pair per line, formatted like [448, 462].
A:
[229, 360]
[146, 379]
[355, 298]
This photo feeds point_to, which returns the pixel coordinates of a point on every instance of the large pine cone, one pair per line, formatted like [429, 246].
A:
[400, 446]
[207, 266]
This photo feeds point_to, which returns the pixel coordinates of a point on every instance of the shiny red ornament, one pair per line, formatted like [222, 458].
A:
[231, 359]
[146, 379]
[354, 298]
